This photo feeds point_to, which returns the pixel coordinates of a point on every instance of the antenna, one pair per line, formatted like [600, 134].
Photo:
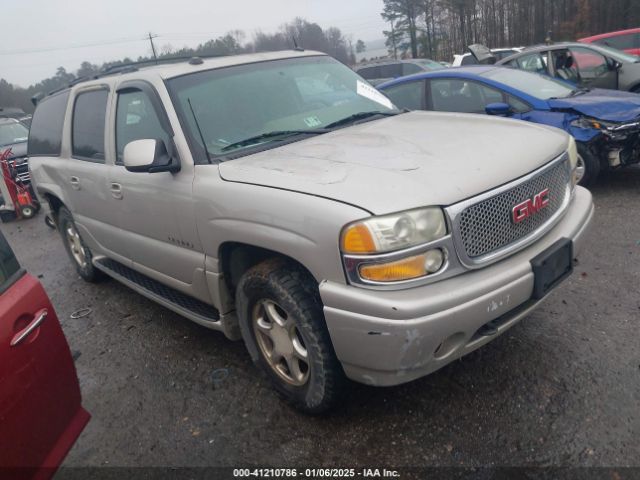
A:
[204, 144]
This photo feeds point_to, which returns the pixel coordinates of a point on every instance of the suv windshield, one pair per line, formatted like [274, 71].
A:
[538, 86]
[263, 103]
[11, 133]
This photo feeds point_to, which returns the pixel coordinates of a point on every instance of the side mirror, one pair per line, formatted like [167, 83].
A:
[500, 109]
[149, 155]
[616, 65]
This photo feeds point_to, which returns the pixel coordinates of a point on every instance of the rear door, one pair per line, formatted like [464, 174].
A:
[87, 173]
[40, 410]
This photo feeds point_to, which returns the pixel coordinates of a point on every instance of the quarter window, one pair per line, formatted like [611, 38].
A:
[45, 136]
[88, 125]
[136, 119]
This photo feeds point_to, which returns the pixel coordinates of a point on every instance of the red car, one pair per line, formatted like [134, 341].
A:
[627, 40]
[40, 411]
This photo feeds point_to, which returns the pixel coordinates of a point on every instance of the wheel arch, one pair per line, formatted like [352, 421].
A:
[236, 258]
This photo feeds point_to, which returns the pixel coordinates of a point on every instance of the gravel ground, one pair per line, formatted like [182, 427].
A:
[561, 388]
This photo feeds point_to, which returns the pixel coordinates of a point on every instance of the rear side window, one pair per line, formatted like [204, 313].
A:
[87, 134]
[408, 95]
[45, 136]
[8, 264]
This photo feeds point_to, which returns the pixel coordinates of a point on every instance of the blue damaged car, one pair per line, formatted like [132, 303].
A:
[605, 123]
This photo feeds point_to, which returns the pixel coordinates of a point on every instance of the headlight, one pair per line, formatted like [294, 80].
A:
[394, 232]
[585, 122]
[572, 150]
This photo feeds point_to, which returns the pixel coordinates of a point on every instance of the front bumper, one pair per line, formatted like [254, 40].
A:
[391, 337]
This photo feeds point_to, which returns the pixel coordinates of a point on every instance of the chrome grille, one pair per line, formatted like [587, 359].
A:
[487, 226]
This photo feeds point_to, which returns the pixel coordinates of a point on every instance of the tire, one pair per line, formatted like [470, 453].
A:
[28, 211]
[279, 291]
[48, 221]
[79, 253]
[590, 165]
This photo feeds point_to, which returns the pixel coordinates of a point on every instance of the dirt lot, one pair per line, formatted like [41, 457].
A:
[561, 388]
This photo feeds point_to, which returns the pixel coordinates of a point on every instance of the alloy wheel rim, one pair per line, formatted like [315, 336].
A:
[580, 169]
[75, 244]
[281, 342]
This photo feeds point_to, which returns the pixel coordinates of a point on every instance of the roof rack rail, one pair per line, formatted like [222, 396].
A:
[129, 67]
[152, 62]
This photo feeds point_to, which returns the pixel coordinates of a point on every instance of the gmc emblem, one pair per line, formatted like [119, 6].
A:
[530, 206]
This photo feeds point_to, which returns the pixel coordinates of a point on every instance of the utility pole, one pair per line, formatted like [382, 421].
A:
[153, 47]
[393, 39]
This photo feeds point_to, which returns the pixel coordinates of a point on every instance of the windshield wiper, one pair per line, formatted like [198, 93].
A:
[360, 116]
[266, 136]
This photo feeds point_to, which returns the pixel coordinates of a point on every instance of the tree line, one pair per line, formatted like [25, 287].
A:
[298, 32]
[439, 29]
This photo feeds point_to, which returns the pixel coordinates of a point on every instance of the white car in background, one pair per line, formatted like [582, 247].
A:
[500, 53]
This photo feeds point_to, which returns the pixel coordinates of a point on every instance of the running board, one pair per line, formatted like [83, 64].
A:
[168, 297]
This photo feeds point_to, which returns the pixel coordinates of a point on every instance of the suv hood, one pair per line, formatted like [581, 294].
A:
[608, 105]
[403, 162]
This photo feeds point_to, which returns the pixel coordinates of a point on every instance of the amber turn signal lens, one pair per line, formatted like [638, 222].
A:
[405, 269]
[358, 239]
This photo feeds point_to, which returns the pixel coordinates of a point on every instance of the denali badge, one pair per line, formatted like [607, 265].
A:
[530, 206]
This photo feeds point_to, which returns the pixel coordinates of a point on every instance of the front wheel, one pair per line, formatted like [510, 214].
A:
[283, 328]
[588, 167]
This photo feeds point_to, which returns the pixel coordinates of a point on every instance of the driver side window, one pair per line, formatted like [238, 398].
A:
[136, 119]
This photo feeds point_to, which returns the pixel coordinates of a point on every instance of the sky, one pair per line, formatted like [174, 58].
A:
[38, 36]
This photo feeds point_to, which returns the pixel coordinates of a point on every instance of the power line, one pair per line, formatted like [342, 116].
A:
[70, 47]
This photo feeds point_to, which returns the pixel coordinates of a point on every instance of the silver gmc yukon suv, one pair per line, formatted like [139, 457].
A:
[280, 199]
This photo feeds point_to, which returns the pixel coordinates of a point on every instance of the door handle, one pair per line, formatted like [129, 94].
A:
[29, 329]
[116, 191]
[75, 183]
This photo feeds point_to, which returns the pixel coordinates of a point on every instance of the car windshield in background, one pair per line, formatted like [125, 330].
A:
[11, 133]
[618, 54]
[538, 86]
[275, 100]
